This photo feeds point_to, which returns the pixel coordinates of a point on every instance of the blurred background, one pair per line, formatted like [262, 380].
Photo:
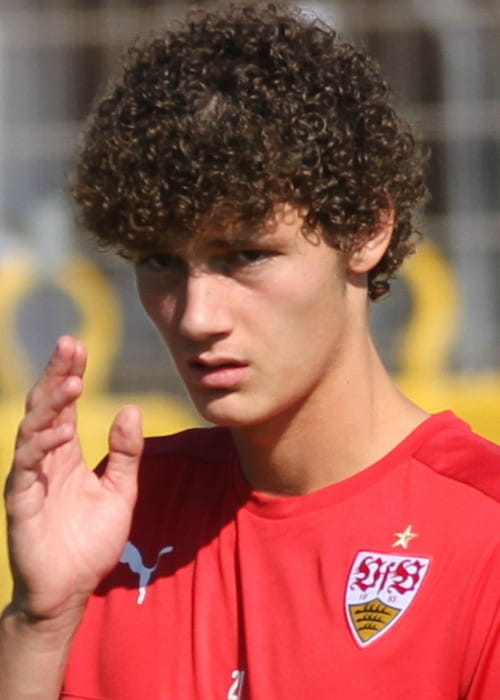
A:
[439, 332]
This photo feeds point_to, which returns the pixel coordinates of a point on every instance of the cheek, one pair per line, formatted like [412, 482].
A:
[157, 304]
[309, 329]
[308, 305]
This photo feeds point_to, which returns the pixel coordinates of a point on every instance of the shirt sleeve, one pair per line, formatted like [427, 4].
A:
[485, 636]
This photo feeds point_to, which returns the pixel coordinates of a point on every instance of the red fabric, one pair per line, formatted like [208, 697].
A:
[258, 585]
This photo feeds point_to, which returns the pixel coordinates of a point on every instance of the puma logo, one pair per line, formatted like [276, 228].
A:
[133, 558]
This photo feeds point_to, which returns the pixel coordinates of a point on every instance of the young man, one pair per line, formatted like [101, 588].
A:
[327, 538]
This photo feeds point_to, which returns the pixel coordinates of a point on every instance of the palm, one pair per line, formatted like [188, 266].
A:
[67, 526]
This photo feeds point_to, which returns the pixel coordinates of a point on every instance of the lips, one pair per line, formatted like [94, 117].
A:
[217, 372]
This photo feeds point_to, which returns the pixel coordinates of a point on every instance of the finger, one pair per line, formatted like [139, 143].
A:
[28, 457]
[68, 359]
[50, 409]
[125, 448]
[69, 356]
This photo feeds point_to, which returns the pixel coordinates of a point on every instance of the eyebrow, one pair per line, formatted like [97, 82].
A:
[241, 240]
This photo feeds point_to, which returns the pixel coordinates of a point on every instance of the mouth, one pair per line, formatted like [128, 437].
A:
[217, 373]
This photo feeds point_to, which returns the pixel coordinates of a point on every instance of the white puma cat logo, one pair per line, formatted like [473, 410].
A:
[133, 558]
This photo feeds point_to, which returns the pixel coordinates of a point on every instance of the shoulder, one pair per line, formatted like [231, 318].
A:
[197, 459]
[205, 444]
[453, 483]
[195, 445]
[188, 472]
[462, 458]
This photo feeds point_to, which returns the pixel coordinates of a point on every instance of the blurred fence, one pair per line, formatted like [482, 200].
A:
[439, 332]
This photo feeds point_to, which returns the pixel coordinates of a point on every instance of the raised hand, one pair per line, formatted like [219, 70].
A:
[67, 526]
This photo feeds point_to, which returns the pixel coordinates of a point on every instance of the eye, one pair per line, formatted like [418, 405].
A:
[161, 262]
[249, 257]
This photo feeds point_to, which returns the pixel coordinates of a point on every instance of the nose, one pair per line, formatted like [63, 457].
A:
[203, 310]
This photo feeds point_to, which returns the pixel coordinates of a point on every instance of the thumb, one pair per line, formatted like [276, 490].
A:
[125, 448]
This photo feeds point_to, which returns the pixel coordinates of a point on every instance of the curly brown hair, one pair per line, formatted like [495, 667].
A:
[223, 117]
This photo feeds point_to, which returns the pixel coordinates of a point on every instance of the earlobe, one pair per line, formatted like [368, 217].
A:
[370, 251]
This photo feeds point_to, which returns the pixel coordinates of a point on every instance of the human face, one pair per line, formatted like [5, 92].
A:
[256, 328]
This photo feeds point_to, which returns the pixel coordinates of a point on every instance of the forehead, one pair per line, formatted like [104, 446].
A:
[282, 227]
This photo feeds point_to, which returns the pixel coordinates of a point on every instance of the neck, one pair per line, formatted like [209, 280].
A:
[311, 446]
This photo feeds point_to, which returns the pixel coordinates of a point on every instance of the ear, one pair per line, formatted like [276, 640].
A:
[370, 251]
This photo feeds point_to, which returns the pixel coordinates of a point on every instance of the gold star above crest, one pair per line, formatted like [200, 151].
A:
[403, 538]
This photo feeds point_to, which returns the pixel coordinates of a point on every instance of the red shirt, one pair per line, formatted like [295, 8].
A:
[383, 586]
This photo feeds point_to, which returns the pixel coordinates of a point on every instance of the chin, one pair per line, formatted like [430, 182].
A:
[228, 411]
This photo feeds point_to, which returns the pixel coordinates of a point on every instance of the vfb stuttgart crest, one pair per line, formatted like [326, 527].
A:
[379, 590]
